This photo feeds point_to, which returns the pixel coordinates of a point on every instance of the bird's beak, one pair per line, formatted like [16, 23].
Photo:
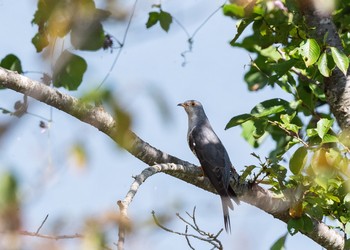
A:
[181, 105]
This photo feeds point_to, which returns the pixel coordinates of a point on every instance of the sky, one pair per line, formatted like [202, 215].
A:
[148, 71]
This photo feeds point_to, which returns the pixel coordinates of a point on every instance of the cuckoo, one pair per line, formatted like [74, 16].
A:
[211, 154]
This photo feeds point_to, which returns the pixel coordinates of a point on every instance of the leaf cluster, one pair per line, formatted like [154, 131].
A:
[288, 56]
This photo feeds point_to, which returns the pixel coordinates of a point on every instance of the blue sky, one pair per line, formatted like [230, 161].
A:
[150, 64]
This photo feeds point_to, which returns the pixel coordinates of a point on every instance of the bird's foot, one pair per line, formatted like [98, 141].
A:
[203, 174]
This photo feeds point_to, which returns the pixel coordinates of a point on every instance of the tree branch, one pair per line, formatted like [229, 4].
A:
[337, 86]
[99, 118]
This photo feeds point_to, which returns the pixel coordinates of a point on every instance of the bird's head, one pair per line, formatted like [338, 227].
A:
[192, 107]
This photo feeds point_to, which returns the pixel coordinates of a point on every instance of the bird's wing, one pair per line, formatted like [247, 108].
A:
[212, 156]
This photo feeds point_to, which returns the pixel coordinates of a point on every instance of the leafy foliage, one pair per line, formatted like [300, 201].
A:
[81, 22]
[288, 56]
[55, 19]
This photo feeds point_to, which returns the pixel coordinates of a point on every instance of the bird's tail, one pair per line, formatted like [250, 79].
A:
[233, 195]
[226, 204]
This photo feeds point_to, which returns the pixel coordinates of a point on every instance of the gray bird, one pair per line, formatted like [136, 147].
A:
[211, 154]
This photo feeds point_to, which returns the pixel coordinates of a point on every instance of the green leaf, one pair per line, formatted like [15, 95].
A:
[88, 35]
[279, 244]
[311, 132]
[69, 71]
[340, 59]
[270, 107]
[333, 198]
[165, 19]
[260, 128]
[153, 18]
[297, 161]
[295, 225]
[12, 62]
[241, 25]
[40, 41]
[327, 138]
[347, 199]
[247, 171]
[308, 224]
[310, 51]
[237, 120]
[233, 10]
[249, 133]
[323, 125]
[286, 119]
[8, 191]
[323, 65]
[347, 231]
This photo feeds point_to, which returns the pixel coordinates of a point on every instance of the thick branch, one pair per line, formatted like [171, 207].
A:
[99, 118]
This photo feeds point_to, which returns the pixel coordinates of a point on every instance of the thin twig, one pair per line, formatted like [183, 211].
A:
[207, 19]
[42, 224]
[188, 239]
[121, 46]
[51, 237]
[209, 238]
[290, 133]
[191, 37]
[138, 180]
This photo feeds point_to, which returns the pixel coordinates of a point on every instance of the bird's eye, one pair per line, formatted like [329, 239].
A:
[192, 104]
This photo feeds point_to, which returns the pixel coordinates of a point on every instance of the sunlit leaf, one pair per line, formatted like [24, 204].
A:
[270, 107]
[233, 10]
[327, 138]
[249, 133]
[311, 132]
[310, 51]
[347, 231]
[323, 65]
[237, 120]
[323, 126]
[347, 198]
[340, 59]
[247, 171]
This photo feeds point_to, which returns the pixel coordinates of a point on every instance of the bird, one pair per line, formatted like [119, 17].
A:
[212, 155]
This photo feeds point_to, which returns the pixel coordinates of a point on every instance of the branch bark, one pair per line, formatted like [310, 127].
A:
[103, 121]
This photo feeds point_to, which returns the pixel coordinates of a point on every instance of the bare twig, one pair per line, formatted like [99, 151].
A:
[42, 224]
[124, 204]
[122, 43]
[191, 37]
[51, 237]
[203, 236]
[188, 239]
